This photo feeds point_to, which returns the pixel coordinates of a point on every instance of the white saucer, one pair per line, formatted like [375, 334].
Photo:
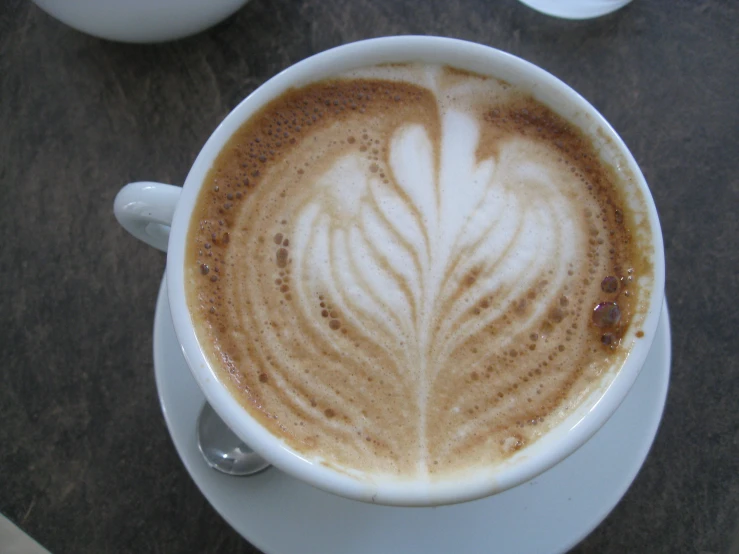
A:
[279, 514]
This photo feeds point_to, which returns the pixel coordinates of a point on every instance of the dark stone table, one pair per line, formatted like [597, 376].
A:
[86, 463]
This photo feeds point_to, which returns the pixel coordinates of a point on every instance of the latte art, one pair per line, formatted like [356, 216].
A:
[396, 270]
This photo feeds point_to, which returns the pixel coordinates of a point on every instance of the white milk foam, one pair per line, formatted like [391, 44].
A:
[511, 220]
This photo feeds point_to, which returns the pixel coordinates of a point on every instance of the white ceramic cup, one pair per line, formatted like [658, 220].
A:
[148, 209]
[140, 20]
[576, 9]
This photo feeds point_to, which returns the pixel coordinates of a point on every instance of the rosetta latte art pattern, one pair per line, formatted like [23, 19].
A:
[406, 288]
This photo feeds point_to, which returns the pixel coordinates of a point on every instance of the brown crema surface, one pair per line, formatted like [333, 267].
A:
[413, 271]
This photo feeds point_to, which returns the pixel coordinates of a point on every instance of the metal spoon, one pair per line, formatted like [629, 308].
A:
[222, 449]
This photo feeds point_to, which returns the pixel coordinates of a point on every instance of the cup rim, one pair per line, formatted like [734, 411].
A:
[548, 450]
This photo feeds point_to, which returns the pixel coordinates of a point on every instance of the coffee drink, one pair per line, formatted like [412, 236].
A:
[414, 271]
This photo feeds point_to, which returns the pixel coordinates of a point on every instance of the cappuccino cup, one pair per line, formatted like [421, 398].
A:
[411, 271]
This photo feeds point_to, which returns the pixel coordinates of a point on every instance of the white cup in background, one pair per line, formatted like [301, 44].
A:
[140, 20]
[576, 9]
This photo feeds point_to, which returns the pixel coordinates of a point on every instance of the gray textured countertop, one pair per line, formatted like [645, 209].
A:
[86, 463]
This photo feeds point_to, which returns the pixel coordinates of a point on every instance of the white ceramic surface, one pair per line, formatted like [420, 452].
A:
[14, 541]
[145, 211]
[576, 9]
[140, 20]
[550, 513]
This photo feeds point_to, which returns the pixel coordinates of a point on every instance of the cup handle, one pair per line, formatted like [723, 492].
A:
[146, 209]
